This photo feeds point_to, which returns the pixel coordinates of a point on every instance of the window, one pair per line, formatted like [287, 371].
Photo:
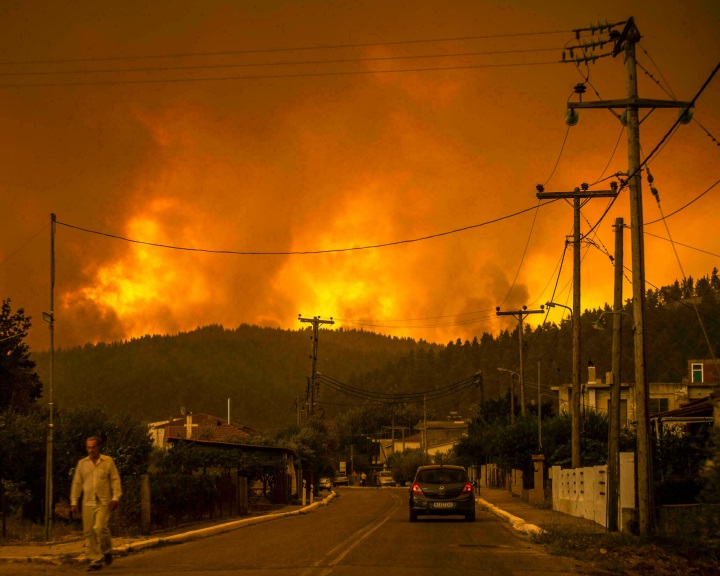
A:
[697, 373]
[658, 405]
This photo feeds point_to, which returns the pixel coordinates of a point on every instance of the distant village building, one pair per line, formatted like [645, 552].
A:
[702, 381]
[198, 427]
[437, 436]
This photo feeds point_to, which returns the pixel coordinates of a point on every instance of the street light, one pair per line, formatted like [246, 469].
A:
[512, 392]
[599, 324]
[553, 304]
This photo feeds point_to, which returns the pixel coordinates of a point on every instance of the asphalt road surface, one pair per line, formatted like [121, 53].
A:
[362, 532]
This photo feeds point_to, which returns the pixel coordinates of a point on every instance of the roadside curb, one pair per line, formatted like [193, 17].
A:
[517, 523]
[126, 549]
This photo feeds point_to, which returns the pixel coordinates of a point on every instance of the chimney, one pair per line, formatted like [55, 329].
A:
[591, 374]
[188, 424]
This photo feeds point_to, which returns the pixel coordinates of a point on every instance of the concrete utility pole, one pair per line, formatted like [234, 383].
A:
[312, 392]
[579, 193]
[519, 315]
[613, 476]
[625, 43]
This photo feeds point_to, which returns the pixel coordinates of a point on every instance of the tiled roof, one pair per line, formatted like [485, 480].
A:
[204, 426]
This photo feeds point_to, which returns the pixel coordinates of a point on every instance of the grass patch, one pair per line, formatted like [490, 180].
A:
[26, 532]
[626, 554]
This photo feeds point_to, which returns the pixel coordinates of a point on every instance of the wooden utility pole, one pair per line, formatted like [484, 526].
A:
[613, 476]
[577, 195]
[625, 44]
[478, 380]
[519, 315]
[49, 317]
[316, 321]
[539, 401]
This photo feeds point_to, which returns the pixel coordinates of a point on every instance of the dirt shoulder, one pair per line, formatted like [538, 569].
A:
[628, 555]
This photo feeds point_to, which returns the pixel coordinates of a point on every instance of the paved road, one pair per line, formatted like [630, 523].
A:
[363, 532]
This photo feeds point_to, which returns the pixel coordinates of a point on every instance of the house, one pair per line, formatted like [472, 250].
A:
[441, 436]
[703, 380]
[437, 437]
[698, 411]
[196, 426]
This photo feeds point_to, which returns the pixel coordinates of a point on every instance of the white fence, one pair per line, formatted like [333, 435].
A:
[583, 491]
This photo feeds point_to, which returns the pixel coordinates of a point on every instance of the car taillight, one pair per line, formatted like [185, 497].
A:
[416, 489]
[467, 488]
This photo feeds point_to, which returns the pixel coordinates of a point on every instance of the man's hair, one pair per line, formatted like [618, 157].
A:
[96, 439]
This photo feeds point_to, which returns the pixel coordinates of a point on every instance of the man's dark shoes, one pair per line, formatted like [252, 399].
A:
[94, 566]
[108, 558]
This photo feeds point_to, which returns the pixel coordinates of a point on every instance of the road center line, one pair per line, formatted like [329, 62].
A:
[345, 547]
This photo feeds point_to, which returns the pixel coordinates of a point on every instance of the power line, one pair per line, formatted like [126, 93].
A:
[439, 325]
[303, 252]
[398, 397]
[275, 76]
[522, 259]
[612, 155]
[655, 150]
[679, 119]
[285, 49]
[680, 243]
[277, 63]
[9, 256]
[686, 205]
[557, 162]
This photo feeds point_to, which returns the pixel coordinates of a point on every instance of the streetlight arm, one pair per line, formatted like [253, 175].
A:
[553, 304]
[599, 324]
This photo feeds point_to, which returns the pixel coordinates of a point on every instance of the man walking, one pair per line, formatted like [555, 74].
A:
[97, 479]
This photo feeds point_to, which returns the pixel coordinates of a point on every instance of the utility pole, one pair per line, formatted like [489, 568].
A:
[512, 392]
[480, 383]
[519, 315]
[579, 193]
[49, 317]
[425, 438]
[539, 411]
[316, 321]
[625, 43]
[613, 476]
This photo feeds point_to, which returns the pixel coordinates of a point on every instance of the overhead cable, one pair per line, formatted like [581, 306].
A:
[304, 252]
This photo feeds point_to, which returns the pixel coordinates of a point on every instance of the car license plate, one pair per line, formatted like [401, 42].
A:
[443, 504]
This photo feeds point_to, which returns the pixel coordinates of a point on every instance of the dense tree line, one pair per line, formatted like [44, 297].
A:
[263, 370]
[112, 389]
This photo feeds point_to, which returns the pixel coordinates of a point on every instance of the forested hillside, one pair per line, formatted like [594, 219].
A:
[263, 370]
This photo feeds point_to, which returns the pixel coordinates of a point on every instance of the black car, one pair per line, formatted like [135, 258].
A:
[442, 491]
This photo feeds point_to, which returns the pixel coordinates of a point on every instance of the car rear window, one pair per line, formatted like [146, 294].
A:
[442, 476]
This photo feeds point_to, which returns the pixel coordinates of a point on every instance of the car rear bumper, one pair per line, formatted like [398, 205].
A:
[442, 507]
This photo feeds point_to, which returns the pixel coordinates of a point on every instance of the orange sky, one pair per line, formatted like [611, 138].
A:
[306, 160]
